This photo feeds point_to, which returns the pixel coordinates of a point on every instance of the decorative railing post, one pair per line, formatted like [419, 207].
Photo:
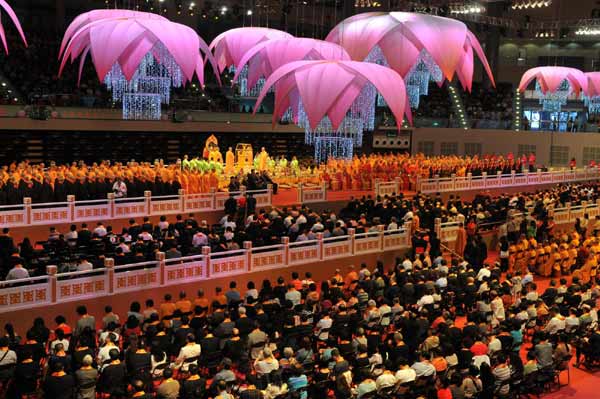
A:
[324, 191]
[407, 233]
[206, 253]
[512, 177]
[351, 233]
[148, 202]
[27, 210]
[437, 227]
[213, 194]
[270, 193]
[162, 267]
[181, 198]
[248, 248]
[568, 206]
[437, 182]
[376, 184]
[499, 178]
[71, 207]
[381, 229]
[453, 177]
[398, 186]
[484, 178]
[111, 204]
[320, 246]
[286, 250]
[51, 271]
[469, 180]
[109, 264]
[300, 193]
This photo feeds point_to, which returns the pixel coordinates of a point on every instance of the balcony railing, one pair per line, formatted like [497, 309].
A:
[111, 279]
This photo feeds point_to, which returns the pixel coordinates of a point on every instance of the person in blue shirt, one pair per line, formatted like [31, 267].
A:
[298, 381]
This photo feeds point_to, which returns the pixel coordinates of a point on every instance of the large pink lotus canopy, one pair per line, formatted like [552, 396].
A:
[267, 56]
[593, 89]
[95, 15]
[127, 38]
[230, 46]
[328, 88]
[550, 78]
[402, 36]
[7, 8]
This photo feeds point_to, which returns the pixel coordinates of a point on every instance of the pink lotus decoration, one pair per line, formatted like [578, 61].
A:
[127, 37]
[328, 88]
[6, 7]
[267, 56]
[417, 46]
[554, 84]
[230, 46]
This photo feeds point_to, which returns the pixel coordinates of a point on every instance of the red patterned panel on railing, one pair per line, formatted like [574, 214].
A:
[429, 187]
[12, 298]
[547, 177]
[462, 183]
[130, 209]
[576, 212]
[592, 211]
[449, 233]
[263, 199]
[268, 260]
[185, 272]
[135, 280]
[334, 250]
[50, 215]
[395, 241]
[558, 177]
[506, 181]
[165, 207]
[446, 185]
[198, 202]
[520, 180]
[12, 218]
[592, 173]
[367, 244]
[81, 288]
[561, 216]
[492, 181]
[306, 253]
[228, 266]
[387, 188]
[533, 178]
[91, 212]
[477, 183]
[313, 196]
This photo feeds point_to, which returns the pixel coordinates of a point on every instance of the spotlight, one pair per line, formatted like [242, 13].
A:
[249, 12]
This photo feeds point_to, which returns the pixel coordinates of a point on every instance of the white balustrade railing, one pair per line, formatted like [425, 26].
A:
[307, 195]
[454, 183]
[73, 211]
[448, 231]
[81, 285]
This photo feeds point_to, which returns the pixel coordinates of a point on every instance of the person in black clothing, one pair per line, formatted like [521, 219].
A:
[231, 205]
[58, 384]
[194, 387]
[25, 377]
[113, 376]
[250, 204]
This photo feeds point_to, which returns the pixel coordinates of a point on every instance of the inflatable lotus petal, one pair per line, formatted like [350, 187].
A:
[267, 56]
[593, 88]
[402, 36]
[328, 88]
[7, 9]
[125, 37]
[550, 78]
[230, 46]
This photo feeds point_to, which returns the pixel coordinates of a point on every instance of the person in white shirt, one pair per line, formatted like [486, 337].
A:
[425, 300]
[318, 226]
[484, 272]
[405, 374]
[556, 323]
[190, 350]
[17, 272]
[84, 265]
[145, 236]
[407, 264]
[123, 246]
[301, 219]
[120, 188]
[100, 230]
[497, 306]
[393, 224]
[265, 363]
[200, 239]
[72, 233]
[103, 353]
[229, 223]
[163, 224]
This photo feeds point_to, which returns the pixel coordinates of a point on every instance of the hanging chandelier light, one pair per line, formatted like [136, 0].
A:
[229, 48]
[139, 56]
[327, 91]
[421, 48]
[554, 85]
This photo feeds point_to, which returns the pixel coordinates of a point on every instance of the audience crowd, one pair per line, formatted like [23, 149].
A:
[424, 327]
